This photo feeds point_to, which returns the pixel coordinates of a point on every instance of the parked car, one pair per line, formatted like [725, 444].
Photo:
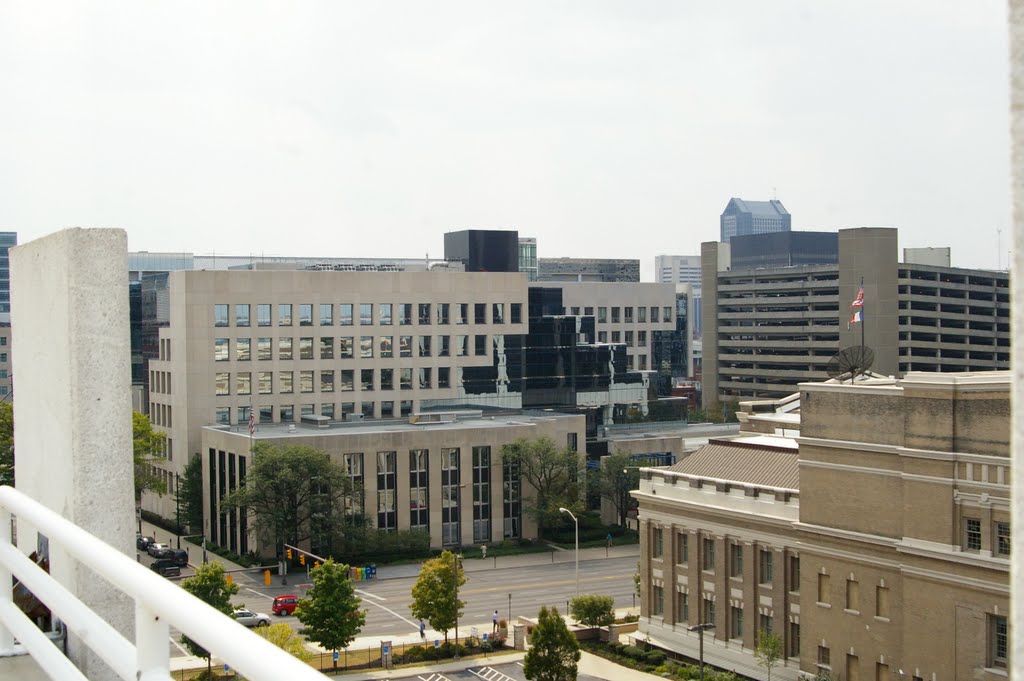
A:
[249, 618]
[179, 556]
[284, 605]
[142, 543]
[158, 550]
[166, 567]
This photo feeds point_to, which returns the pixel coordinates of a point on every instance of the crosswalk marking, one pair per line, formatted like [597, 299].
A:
[490, 674]
[433, 677]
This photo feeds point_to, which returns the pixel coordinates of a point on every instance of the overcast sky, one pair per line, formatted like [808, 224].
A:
[603, 129]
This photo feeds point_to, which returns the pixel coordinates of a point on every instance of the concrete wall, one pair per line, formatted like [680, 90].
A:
[871, 254]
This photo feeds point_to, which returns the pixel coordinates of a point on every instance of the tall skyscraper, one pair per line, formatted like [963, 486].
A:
[742, 217]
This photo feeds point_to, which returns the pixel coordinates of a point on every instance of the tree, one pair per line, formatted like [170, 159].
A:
[554, 652]
[210, 585]
[189, 495]
[147, 449]
[285, 638]
[552, 473]
[6, 444]
[593, 610]
[433, 594]
[330, 613]
[289, 489]
[618, 476]
[768, 650]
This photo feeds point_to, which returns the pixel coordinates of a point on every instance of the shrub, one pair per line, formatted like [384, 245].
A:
[633, 652]
[654, 657]
[631, 618]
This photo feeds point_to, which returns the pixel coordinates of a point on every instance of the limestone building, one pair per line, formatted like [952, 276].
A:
[875, 538]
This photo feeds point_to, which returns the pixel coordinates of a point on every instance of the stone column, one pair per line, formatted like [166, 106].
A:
[1016, 25]
[73, 426]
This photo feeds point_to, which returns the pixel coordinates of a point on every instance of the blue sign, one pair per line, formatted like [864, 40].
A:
[437, 643]
[335, 655]
[485, 637]
[226, 667]
[385, 650]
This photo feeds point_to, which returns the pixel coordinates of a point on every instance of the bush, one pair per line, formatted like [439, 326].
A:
[634, 652]
[593, 610]
[654, 657]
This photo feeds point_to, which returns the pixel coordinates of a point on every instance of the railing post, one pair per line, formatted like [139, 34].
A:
[153, 656]
[6, 591]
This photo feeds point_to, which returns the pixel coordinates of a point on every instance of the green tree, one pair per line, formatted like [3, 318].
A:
[553, 474]
[289, 489]
[147, 449]
[6, 444]
[210, 585]
[617, 477]
[189, 495]
[554, 652]
[768, 650]
[433, 594]
[330, 613]
[636, 580]
[285, 638]
[593, 610]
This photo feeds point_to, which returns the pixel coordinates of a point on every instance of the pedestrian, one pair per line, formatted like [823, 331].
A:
[609, 539]
[423, 631]
[494, 622]
[483, 550]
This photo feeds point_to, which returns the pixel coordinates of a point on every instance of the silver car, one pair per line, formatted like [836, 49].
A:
[250, 619]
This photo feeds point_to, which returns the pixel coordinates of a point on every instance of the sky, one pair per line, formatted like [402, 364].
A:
[603, 129]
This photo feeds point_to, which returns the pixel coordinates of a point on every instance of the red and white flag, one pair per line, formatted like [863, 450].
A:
[859, 301]
[855, 318]
[252, 422]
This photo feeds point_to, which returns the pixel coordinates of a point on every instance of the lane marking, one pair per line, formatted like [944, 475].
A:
[387, 609]
[566, 582]
[258, 593]
[180, 647]
[369, 595]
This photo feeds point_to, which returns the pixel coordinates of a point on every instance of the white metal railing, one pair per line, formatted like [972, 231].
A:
[159, 605]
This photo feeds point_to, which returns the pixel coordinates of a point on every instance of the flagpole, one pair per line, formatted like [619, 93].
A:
[862, 315]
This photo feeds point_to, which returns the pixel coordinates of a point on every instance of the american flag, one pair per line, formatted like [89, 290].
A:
[857, 317]
[859, 302]
[252, 422]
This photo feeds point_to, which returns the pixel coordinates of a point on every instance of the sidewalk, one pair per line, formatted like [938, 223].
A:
[195, 551]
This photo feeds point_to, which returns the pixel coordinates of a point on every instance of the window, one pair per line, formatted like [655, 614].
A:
[481, 494]
[387, 409]
[243, 416]
[516, 313]
[450, 534]
[511, 497]
[972, 534]
[305, 314]
[346, 380]
[615, 315]
[386, 492]
[823, 588]
[575, 310]
[242, 349]
[346, 347]
[462, 313]
[824, 656]
[794, 639]
[998, 641]
[1003, 539]
[794, 574]
[684, 548]
[682, 607]
[642, 360]
[764, 622]
[419, 496]
[387, 379]
[305, 381]
[461, 346]
[223, 383]
[366, 409]
[735, 560]
[659, 542]
[709, 611]
[641, 315]
[709, 554]
[326, 314]
[498, 313]
[405, 314]
[327, 381]
[223, 416]
[327, 409]
[284, 348]
[263, 314]
[366, 347]
[405, 346]
[766, 566]
[366, 314]
[666, 314]
[852, 595]
[243, 383]
[629, 339]
[220, 350]
[425, 378]
[306, 348]
[443, 346]
[384, 314]
[881, 601]
[479, 345]
[881, 672]
[852, 668]
[658, 600]
[220, 314]
[654, 314]
[326, 347]
[345, 314]
[264, 349]
[286, 413]
[627, 313]
[602, 336]
[405, 378]
[616, 336]
[443, 377]
[424, 316]
[442, 313]
[285, 382]
[425, 346]
[480, 313]
[366, 379]
[387, 350]
[284, 314]
[602, 315]
[735, 622]
[405, 408]
[266, 383]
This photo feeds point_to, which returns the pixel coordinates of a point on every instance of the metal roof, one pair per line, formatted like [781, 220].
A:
[752, 464]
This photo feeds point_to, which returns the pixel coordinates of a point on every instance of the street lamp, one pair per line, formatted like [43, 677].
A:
[177, 506]
[700, 629]
[455, 561]
[577, 523]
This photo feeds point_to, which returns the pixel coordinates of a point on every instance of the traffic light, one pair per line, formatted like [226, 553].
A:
[316, 564]
[288, 552]
[302, 559]
[228, 579]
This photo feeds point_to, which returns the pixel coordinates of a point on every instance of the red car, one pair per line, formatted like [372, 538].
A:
[284, 605]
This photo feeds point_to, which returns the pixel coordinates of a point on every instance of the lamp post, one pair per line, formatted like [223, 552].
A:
[700, 629]
[455, 562]
[177, 506]
[577, 523]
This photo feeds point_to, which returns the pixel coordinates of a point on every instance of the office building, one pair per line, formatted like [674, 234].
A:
[677, 269]
[742, 217]
[528, 257]
[784, 249]
[778, 326]
[588, 270]
[877, 547]
[483, 250]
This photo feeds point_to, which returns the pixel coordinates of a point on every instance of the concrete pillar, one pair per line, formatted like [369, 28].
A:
[69, 315]
[1016, 21]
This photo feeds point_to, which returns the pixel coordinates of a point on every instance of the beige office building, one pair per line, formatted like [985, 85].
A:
[874, 539]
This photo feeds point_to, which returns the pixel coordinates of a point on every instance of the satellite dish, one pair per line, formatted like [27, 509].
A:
[850, 361]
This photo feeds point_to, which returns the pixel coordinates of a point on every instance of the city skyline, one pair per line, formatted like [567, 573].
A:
[373, 131]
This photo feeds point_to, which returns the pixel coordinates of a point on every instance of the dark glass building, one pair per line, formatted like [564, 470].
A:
[784, 249]
[742, 217]
[669, 351]
[483, 250]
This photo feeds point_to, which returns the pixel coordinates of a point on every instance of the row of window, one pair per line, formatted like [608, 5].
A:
[286, 412]
[972, 539]
[658, 314]
[764, 574]
[852, 596]
[385, 314]
[349, 347]
[623, 337]
[325, 380]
